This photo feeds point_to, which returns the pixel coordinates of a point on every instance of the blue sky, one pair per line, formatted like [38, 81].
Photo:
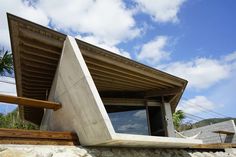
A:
[193, 39]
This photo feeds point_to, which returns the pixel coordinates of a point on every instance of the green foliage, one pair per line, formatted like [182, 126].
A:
[13, 120]
[186, 126]
[178, 117]
[6, 62]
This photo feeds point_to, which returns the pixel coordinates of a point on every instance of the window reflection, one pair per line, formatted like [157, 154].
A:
[128, 119]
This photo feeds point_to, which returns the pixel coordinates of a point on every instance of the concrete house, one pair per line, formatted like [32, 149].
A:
[223, 132]
[104, 96]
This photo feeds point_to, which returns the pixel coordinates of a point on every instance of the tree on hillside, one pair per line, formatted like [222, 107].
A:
[13, 120]
[178, 117]
[6, 62]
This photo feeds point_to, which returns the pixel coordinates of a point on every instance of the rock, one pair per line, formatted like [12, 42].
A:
[80, 152]
[72, 151]
[107, 154]
[14, 153]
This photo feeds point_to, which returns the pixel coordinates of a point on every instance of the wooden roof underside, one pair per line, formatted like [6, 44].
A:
[37, 50]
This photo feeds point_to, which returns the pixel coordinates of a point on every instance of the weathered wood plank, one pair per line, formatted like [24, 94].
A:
[29, 102]
[116, 69]
[37, 137]
[39, 134]
[8, 140]
[214, 146]
[224, 132]
[163, 92]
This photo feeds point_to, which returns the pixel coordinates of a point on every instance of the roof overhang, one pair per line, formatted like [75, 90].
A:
[37, 51]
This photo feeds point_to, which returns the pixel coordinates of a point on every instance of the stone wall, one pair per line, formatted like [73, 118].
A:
[71, 151]
[208, 136]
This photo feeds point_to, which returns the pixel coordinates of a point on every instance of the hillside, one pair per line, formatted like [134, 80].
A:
[211, 121]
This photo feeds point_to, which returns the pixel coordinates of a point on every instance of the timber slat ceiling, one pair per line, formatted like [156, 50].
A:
[36, 53]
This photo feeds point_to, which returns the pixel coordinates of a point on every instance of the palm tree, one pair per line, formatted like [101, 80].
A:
[178, 117]
[6, 62]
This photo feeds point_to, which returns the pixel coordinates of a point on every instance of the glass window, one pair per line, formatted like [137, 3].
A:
[128, 119]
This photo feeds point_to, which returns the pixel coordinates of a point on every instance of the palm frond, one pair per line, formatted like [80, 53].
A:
[6, 63]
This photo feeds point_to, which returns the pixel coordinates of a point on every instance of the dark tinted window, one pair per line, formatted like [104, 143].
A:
[128, 119]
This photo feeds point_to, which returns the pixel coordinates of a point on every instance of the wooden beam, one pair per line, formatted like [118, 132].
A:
[115, 82]
[40, 47]
[37, 70]
[120, 80]
[46, 52]
[165, 92]
[36, 81]
[29, 91]
[102, 87]
[37, 77]
[34, 60]
[38, 74]
[35, 88]
[37, 55]
[15, 140]
[121, 94]
[138, 68]
[19, 136]
[224, 132]
[39, 38]
[41, 66]
[29, 102]
[214, 146]
[130, 102]
[4, 132]
[141, 80]
[35, 84]
[116, 69]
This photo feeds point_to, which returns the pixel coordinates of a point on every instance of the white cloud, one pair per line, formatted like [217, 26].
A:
[105, 22]
[161, 10]
[230, 57]
[108, 20]
[198, 104]
[22, 9]
[201, 73]
[225, 94]
[112, 48]
[130, 127]
[141, 114]
[7, 85]
[153, 52]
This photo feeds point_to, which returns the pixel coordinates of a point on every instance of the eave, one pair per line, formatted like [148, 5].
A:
[37, 50]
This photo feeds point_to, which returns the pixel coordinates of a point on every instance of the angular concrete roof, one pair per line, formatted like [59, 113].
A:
[37, 50]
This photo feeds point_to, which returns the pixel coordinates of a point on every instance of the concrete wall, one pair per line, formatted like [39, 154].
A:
[208, 136]
[169, 120]
[83, 110]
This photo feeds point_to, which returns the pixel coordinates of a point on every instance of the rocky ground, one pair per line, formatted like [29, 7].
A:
[71, 151]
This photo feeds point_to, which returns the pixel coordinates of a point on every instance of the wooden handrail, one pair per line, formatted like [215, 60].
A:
[29, 102]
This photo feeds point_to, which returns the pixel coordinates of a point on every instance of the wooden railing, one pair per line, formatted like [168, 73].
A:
[29, 102]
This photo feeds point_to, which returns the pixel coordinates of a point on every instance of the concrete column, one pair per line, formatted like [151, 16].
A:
[169, 120]
[82, 108]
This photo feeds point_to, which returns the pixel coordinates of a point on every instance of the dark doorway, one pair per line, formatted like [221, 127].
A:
[156, 121]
